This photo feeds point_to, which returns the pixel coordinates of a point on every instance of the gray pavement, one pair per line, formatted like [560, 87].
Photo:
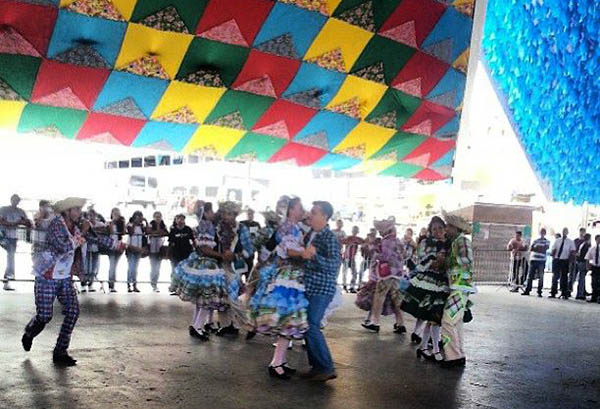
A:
[134, 352]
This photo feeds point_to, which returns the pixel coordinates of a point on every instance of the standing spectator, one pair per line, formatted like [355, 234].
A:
[253, 227]
[116, 228]
[422, 235]
[92, 253]
[410, 247]
[41, 221]
[581, 267]
[537, 263]
[181, 240]
[562, 250]
[135, 228]
[11, 217]
[593, 263]
[156, 231]
[574, 261]
[366, 252]
[351, 248]
[517, 247]
[339, 231]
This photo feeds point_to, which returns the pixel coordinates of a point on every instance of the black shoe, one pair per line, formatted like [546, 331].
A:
[274, 374]
[525, 293]
[399, 329]
[514, 290]
[63, 359]
[454, 363]
[135, 289]
[129, 289]
[424, 353]
[593, 300]
[564, 297]
[26, 340]
[552, 296]
[352, 291]
[91, 290]
[229, 330]
[250, 335]
[539, 295]
[345, 289]
[201, 335]
[415, 339]
[370, 327]
[580, 298]
[210, 328]
[288, 370]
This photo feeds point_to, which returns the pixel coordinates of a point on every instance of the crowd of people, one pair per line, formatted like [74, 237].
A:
[278, 280]
[571, 260]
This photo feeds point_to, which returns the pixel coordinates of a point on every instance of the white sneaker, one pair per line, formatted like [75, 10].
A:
[84, 288]
[156, 290]
[8, 287]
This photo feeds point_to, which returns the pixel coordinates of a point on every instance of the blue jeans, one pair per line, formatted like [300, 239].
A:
[319, 356]
[133, 260]
[536, 268]
[155, 262]
[580, 273]
[11, 249]
[113, 259]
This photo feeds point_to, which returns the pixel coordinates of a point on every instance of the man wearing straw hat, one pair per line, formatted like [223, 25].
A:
[457, 304]
[54, 268]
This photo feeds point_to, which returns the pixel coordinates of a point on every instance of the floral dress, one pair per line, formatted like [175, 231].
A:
[279, 306]
[428, 289]
[199, 278]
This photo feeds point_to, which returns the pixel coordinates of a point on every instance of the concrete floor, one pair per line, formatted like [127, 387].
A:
[134, 351]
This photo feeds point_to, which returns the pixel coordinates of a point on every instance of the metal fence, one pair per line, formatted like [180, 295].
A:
[491, 266]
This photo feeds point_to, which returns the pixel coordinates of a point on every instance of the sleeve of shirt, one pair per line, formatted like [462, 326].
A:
[589, 256]
[554, 247]
[58, 238]
[464, 252]
[329, 259]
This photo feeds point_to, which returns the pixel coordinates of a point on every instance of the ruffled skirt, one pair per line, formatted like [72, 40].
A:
[279, 305]
[365, 296]
[426, 296]
[200, 280]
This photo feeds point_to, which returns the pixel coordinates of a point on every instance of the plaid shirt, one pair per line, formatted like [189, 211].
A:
[245, 239]
[320, 276]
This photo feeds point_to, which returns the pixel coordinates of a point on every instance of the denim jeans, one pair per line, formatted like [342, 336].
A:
[92, 266]
[155, 262]
[349, 265]
[537, 267]
[11, 249]
[580, 273]
[319, 356]
[560, 273]
[113, 258]
[133, 260]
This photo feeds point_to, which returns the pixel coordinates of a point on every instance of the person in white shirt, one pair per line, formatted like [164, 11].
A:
[593, 263]
[136, 229]
[563, 250]
[11, 218]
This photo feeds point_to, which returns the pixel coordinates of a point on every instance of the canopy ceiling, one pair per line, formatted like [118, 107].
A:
[373, 85]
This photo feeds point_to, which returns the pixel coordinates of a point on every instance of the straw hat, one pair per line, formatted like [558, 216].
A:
[384, 226]
[68, 203]
[457, 221]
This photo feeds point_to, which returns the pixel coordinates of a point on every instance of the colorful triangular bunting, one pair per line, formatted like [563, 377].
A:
[441, 50]
[361, 16]
[312, 5]
[148, 66]
[162, 145]
[11, 42]
[96, 8]
[317, 140]
[373, 72]
[206, 77]
[421, 160]
[357, 152]
[229, 32]
[411, 87]
[83, 54]
[105, 137]
[260, 86]
[387, 120]
[282, 45]
[278, 129]
[167, 19]
[331, 60]
[65, 98]
[309, 98]
[462, 62]
[7, 93]
[446, 99]
[51, 131]
[350, 107]
[183, 115]
[125, 107]
[423, 128]
[404, 33]
[233, 120]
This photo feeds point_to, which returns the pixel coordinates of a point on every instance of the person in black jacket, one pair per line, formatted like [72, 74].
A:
[181, 241]
[253, 227]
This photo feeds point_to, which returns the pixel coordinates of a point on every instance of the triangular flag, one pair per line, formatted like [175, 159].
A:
[85, 55]
[309, 98]
[372, 72]
[317, 140]
[51, 131]
[466, 7]
[104, 137]
[313, 5]
[208, 151]
[390, 156]
[260, 86]
[404, 33]
[350, 107]
[422, 160]
[65, 98]
[447, 99]
[162, 145]
[361, 16]
[232, 120]
[183, 115]
[356, 152]
[441, 50]
[424, 128]
[96, 8]
[331, 60]
[282, 45]
[167, 19]
[462, 61]
[228, 32]
[387, 120]
[11, 42]
[206, 77]
[125, 107]
[412, 87]
[247, 157]
[7, 93]
[278, 129]
[147, 66]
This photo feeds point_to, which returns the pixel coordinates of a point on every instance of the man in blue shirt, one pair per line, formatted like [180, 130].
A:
[323, 259]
